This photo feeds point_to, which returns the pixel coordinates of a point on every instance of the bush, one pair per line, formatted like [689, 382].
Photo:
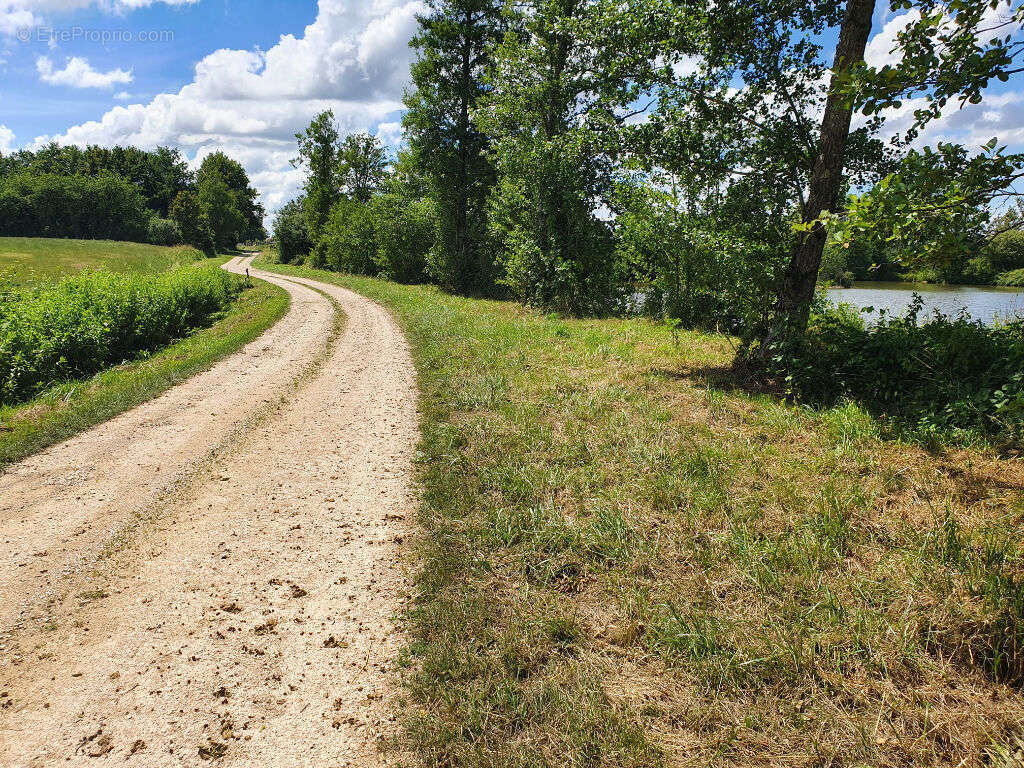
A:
[1014, 278]
[406, 231]
[164, 232]
[291, 234]
[350, 239]
[94, 208]
[86, 323]
[943, 376]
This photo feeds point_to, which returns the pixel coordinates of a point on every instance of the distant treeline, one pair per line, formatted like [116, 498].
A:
[997, 260]
[125, 193]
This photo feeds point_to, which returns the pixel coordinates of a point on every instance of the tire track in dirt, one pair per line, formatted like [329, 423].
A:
[250, 619]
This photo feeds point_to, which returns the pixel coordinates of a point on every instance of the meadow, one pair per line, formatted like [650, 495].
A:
[89, 329]
[627, 561]
[37, 259]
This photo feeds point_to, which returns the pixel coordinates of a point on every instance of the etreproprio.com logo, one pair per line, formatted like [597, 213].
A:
[91, 35]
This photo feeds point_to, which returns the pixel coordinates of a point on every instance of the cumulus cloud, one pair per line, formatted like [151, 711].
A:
[6, 139]
[353, 59]
[881, 47]
[1000, 115]
[122, 96]
[79, 73]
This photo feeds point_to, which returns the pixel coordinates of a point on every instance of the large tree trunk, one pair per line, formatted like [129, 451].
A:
[797, 290]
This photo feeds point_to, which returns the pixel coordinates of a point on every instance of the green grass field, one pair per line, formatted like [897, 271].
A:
[625, 561]
[74, 406]
[35, 259]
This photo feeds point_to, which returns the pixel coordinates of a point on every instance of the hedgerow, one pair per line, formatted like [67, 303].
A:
[86, 323]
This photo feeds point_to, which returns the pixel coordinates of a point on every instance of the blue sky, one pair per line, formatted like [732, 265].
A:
[243, 76]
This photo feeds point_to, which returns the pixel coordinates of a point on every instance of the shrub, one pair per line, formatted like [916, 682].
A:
[103, 207]
[164, 232]
[291, 234]
[350, 239]
[89, 322]
[406, 230]
[1012, 278]
[946, 375]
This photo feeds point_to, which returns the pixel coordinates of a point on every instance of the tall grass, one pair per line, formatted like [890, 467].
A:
[86, 323]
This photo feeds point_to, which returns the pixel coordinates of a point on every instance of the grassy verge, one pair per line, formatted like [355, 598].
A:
[623, 564]
[40, 259]
[72, 407]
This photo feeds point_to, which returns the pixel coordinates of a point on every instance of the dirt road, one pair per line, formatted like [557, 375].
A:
[214, 575]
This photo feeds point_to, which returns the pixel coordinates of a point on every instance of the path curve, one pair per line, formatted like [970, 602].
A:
[215, 574]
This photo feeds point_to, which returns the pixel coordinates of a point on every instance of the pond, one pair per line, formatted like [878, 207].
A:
[984, 303]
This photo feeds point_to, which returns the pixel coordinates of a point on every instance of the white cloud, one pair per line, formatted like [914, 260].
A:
[122, 96]
[390, 133]
[998, 115]
[879, 52]
[78, 73]
[6, 139]
[353, 59]
[16, 15]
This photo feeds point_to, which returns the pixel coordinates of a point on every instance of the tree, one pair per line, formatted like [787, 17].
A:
[187, 212]
[826, 179]
[233, 174]
[454, 42]
[159, 175]
[318, 153]
[550, 110]
[290, 232]
[362, 166]
[949, 51]
[220, 208]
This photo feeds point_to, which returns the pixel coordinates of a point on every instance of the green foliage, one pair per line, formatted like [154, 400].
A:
[159, 175]
[350, 238]
[950, 51]
[89, 322]
[220, 208]
[1006, 250]
[405, 232]
[943, 376]
[74, 406]
[164, 232]
[103, 207]
[454, 43]
[546, 113]
[929, 210]
[291, 234]
[1013, 278]
[318, 154]
[362, 166]
[234, 176]
[683, 268]
[187, 212]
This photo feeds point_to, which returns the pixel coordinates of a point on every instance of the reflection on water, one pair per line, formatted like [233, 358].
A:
[983, 303]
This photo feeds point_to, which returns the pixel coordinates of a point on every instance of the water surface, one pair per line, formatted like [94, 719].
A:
[985, 303]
